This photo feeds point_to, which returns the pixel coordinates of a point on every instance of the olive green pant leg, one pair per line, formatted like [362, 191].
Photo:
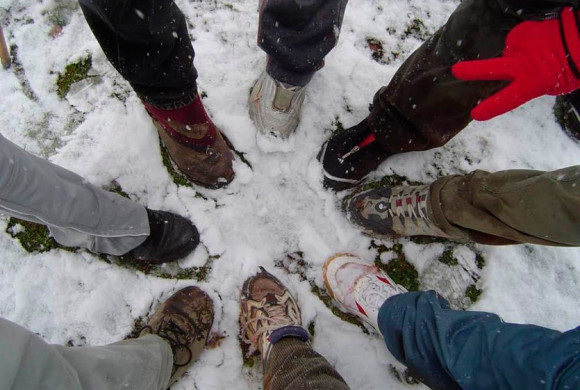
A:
[294, 365]
[510, 207]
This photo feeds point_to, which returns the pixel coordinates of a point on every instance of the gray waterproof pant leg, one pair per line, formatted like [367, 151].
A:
[77, 213]
[27, 362]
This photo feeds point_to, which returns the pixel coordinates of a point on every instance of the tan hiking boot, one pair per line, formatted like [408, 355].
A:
[194, 143]
[184, 321]
[268, 313]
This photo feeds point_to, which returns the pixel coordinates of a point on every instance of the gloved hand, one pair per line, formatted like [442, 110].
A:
[538, 59]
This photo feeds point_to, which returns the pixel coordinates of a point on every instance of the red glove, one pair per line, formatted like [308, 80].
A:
[540, 58]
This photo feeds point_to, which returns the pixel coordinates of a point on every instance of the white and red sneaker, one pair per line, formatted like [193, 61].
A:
[358, 288]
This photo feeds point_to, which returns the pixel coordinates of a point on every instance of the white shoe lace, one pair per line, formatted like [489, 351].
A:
[273, 317]
[415, 208]
[374, 293]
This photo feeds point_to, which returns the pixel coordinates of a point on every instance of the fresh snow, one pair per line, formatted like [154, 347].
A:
[277, 206]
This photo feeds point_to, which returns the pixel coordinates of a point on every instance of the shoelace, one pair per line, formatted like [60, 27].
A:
[171, 332]
[406, 207]
[275, 316]
[375, 293]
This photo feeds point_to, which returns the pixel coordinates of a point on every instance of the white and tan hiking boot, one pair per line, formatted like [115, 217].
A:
[274, 106]
[268, 313]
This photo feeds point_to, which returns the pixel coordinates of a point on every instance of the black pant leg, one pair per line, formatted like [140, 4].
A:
[148, 43]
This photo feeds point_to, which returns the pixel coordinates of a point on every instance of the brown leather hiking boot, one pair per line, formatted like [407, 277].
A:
[184, 321]
[194, 143]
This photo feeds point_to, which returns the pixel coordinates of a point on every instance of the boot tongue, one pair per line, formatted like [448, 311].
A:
[283, 99]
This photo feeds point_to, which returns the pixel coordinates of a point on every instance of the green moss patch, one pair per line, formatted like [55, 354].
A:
[473, 293]
[73, 73]
[32, 236]
[399, 269]
[417, 30]
[448, 258]
[178, 178]
[479, 260]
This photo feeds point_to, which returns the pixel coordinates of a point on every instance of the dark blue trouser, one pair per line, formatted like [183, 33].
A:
[147, 42]
[453, 349]
[297, 35]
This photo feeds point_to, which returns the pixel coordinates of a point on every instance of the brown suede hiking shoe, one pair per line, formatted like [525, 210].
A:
[184, 321]
[194, 143]
[268, 313]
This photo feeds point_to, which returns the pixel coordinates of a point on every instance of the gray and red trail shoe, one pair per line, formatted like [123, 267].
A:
[391, 212]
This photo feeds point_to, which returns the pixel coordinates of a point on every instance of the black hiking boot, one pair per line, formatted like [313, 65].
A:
[349, 156]
[171, 237]
[184, 321]
[567, 111]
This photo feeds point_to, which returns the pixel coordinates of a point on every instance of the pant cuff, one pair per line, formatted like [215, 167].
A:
[170, 103]
[283, 75]
[436, 211]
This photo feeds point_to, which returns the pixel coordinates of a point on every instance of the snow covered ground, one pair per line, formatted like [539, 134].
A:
[276, 206]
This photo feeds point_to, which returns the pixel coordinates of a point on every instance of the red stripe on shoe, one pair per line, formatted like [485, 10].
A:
[360, 309]
[383, 280]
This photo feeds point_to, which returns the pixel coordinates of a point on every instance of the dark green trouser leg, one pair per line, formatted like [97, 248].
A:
[294, 365]
[510, 207]
[424, 106]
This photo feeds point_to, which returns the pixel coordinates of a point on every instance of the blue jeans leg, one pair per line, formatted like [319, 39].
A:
[454, 349]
